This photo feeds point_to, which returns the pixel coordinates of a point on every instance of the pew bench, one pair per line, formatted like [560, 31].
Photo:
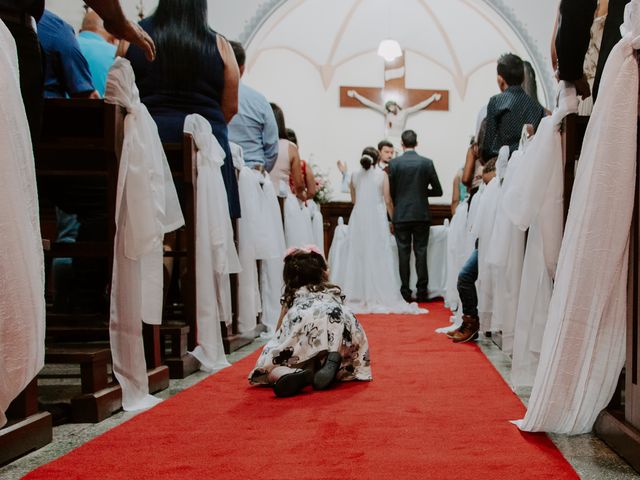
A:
[77, 162]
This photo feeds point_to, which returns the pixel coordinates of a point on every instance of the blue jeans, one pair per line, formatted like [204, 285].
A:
[467, 285]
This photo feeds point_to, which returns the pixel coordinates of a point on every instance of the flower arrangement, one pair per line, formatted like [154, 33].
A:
[323, 185]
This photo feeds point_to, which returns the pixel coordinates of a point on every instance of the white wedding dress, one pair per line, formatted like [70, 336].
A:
[368, 277]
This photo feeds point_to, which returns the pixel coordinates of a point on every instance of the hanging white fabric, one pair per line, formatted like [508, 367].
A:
[583, 348]
[146, 208]
[22, 305]
[271, 282]
[216, 255]
[482, 228]
[298, 228]
[506, 257]
[317, 224]
[534, 200]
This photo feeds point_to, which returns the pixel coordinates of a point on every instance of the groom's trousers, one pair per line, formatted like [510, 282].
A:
[416, 234]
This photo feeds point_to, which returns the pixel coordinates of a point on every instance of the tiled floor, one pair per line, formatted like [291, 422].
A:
[592, 459]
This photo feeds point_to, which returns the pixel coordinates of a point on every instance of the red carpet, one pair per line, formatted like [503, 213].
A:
[434, 410]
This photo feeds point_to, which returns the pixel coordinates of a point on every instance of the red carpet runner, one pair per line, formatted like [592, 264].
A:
[433, 411]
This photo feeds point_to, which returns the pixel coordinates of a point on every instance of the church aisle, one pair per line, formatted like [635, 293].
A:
[433, 410]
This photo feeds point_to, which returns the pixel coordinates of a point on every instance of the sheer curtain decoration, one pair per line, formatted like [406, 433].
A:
[533, 201]
[583, 348]
[260, 240]
[146, 208]
[216, 255]
[22, 306]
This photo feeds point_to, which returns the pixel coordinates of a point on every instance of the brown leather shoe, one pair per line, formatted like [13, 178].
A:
[468, 331]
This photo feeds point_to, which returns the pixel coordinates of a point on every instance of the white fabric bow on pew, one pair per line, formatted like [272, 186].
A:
[146, 208]
[534, 200]
[216, 255]
[583, 348]
[260, 239]
[22, 305]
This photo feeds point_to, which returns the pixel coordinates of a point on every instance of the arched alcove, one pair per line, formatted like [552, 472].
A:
[301, 51]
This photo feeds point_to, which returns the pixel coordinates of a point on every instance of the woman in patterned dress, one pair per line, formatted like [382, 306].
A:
[318, 339]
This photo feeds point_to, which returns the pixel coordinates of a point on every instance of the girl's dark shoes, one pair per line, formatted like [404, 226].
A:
[327, 374]
[292, 383]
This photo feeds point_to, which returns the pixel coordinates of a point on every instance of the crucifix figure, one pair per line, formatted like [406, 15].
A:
[394, 101]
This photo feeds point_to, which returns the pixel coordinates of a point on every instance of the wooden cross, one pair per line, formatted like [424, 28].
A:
[395, 90]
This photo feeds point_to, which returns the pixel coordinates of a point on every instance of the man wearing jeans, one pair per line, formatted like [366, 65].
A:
[412, 180]
[467, 277]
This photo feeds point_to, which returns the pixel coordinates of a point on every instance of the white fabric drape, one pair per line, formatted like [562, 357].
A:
[216, 255]
[298, 224]
[460, 244]
[482, 228]
[146, 208]
[534, 200]
[583, 348]
[506, 256]
[22, 306]
[317, 224]
[260, 240]
[271, 282]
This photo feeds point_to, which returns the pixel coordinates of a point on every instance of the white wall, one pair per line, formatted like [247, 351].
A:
[326, 131]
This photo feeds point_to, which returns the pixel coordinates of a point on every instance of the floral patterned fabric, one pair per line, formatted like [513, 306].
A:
[317, 323]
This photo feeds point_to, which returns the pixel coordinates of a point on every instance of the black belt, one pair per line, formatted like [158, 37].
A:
[16, 17]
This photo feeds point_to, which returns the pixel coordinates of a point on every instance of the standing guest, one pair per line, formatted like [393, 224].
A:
[254, 127]
[19, 18]
[308, 179]
[66, 71]
[413, 179]
[510, 110]
[574, 36]
[195, 72]
[467, 278]
[287, 164]
[99, 48]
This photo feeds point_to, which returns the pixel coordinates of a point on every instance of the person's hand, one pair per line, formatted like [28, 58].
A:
[582, 88]
[133, 33]
[391, 229]
[342, 166]
[437, 96]
[351, 93]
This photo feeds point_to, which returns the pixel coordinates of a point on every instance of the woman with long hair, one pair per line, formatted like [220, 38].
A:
[367, 272]
[195, 72]
[287, 178]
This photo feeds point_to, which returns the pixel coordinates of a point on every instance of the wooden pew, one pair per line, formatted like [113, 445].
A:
[179, 330]
[81, 148]
[27, 428]
[619, 424]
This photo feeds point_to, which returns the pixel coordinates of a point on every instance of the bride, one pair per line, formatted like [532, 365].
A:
[366, 270]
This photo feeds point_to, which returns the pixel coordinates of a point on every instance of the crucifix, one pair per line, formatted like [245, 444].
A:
[394, 101]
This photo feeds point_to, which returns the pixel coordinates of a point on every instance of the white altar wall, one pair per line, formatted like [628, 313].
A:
[326, 131]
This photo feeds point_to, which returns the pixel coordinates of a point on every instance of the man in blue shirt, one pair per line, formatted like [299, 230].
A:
[66, 71]
[98, 47]
[254, 127]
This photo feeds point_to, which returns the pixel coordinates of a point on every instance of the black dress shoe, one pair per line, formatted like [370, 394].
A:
[327, 374]
[290, 384]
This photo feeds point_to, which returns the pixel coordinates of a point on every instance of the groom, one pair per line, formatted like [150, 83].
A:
[413, 179]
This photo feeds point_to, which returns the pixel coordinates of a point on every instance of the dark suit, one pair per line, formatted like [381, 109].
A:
[572, 40]
[412, 180]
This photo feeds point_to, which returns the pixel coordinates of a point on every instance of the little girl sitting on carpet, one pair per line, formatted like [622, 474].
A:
[318, 339]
